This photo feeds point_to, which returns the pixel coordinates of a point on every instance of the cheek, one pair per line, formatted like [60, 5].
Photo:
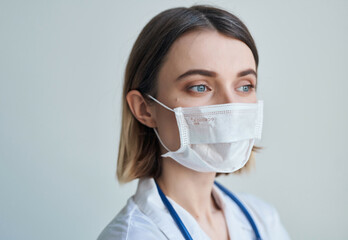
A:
[168, 129]
[251, 98]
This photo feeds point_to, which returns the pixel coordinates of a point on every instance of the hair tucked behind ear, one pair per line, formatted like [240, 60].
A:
[139, 151]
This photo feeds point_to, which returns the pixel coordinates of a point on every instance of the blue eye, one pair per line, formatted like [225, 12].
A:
[199, 88]
[246, 88]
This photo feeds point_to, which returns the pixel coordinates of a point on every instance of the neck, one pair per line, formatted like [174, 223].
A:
[190, 189]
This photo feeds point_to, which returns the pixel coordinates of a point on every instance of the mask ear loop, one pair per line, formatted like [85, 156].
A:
[160, 103]
[155, 128]
[160, 140]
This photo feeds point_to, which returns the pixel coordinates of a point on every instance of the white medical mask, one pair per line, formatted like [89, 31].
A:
[216, 138]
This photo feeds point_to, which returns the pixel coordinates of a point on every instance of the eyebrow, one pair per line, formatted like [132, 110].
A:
[213, 74]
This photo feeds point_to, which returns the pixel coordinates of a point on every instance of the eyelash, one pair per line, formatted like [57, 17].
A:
[198, 85]
[251, 87]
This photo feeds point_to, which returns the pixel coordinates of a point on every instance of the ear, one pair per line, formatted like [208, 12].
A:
[140, 108]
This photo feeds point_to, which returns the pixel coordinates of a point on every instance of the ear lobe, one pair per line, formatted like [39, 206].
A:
[140, 109]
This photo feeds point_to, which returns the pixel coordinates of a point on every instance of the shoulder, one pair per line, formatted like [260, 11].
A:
[266, 215]
[130, 224]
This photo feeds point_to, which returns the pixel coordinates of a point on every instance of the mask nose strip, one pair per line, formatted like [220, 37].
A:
[160, 103]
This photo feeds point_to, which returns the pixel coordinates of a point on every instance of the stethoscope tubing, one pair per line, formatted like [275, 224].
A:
[181, 225]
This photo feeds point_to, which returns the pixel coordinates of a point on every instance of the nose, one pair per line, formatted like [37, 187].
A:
[226, 96]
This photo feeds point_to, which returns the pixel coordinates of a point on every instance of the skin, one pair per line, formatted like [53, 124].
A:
[228, 58]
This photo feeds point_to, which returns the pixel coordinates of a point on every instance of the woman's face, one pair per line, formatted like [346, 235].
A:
[202, 68]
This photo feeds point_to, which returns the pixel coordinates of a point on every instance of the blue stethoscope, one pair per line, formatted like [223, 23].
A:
[181, 225]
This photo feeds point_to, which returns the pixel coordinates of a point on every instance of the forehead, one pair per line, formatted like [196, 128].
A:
[207, 49]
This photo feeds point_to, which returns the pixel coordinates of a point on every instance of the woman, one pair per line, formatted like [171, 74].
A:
[190, 112]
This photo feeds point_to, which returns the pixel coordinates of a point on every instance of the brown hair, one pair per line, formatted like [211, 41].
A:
[139, 151]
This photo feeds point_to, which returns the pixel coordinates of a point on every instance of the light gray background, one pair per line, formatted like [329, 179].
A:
[61, 72]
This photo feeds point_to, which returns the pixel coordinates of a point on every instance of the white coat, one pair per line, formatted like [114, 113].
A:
[145, 217]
